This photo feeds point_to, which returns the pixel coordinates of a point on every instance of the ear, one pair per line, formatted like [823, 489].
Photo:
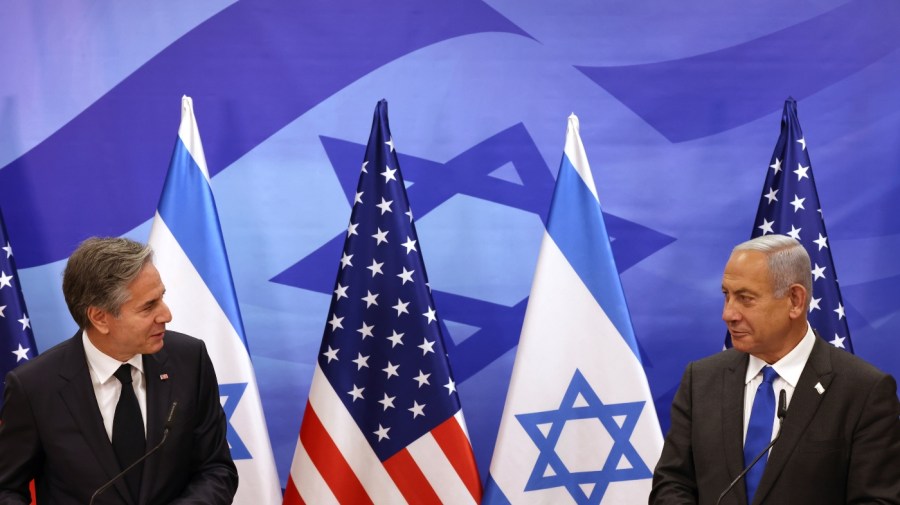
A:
[797, 295]
[99, 318]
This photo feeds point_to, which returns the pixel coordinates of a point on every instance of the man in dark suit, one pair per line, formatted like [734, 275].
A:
[83, 411]
[840, 439]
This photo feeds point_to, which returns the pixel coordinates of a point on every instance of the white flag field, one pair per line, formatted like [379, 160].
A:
[189, 253]
[579, 424]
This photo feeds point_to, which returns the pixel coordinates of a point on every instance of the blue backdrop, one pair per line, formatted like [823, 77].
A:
[679, 103]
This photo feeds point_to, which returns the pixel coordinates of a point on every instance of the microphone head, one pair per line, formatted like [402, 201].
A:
[782, 404]
[171, 417]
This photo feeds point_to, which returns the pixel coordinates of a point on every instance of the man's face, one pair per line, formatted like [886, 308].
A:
[142, 319]
[758, 322]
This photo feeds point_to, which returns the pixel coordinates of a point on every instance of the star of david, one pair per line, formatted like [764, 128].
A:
[471, 173]
[550, 471]
[232, 394]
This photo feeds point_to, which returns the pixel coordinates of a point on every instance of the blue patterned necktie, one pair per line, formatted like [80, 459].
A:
[759, 430]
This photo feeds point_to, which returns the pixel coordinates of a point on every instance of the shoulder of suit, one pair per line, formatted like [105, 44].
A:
[846, 363]
[727, 358]
[49, 360]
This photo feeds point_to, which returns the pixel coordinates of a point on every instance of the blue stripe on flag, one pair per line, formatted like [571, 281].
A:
[493, 495]
[189, 210]
[576, 224]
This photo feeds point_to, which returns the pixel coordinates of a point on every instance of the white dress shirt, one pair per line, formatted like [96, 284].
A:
[788, 369]
[107, 388]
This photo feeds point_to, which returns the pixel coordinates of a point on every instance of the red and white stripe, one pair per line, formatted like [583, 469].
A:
[333, 462]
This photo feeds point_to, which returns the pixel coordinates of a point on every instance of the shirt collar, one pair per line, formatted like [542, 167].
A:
[105, 366]
[788, 367]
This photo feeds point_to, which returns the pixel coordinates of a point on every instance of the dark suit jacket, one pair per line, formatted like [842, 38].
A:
[52, 431]
[841, 446]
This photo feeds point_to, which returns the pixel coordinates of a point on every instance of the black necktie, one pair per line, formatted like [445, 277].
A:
[128, 431]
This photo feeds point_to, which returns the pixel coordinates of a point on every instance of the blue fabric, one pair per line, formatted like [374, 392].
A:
[759, 430]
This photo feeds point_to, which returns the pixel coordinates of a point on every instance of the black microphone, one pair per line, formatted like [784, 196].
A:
[166, 427]
[782, 411]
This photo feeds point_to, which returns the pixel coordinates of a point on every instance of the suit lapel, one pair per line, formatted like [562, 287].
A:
[804, 403]
[733, 419]
[159, 395]
[77, 393]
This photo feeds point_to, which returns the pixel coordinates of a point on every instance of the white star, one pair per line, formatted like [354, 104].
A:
[4, 279]
[341, 291]
[391, 370]
[376, 267]
[331, 354]
[388, 401]
[382, 432]
[336, 322]
[417, 409]
[366, 330]
[370, 299]
[409, 213]
[364, 167]
[814, 304]
[381, 236]
[358, 198]
[776, 166]
[431, 315]
[361, 361]
[801, 172]
[766, 227]
[798, 203]
[385, 205]
[410, 245]
[427, 347]
[401, 307]
[422, 379]
[802, 142]
[406, 275]
[840, 311]
[21, 353]
[357, 393]
[771, 195]
[396, 339]
[351, 230]
[345, 260]
[389, 174]
[8, 250]
[2, 308]
[838, 341]
[390, 143]
[795, 233]
[451, 386]
[818, 272]
[821, 241]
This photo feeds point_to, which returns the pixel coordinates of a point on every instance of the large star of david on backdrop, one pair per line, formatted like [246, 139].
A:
[550, 471]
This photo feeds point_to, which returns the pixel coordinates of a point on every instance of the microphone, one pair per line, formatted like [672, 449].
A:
[782, 412]
[166, 427]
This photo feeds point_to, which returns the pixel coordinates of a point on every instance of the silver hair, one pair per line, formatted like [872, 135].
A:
[98, 274]
[788, 262]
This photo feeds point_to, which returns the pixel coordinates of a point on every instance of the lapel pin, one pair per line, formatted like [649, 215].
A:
[165, 377]
[819, 388]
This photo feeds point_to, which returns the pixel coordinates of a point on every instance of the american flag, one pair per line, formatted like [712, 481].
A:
[16, 338]
[383, 423]
[790, 206]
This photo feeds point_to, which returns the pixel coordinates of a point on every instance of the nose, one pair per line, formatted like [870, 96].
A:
[165, 315]
[729, 313]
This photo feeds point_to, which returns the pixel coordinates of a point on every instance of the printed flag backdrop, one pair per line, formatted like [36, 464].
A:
[680, 106]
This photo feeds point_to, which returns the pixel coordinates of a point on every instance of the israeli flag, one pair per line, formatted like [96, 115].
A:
[189, 253]
[579, 424]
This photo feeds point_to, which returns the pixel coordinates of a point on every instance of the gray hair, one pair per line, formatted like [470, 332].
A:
[788, 262]
[98, 274]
